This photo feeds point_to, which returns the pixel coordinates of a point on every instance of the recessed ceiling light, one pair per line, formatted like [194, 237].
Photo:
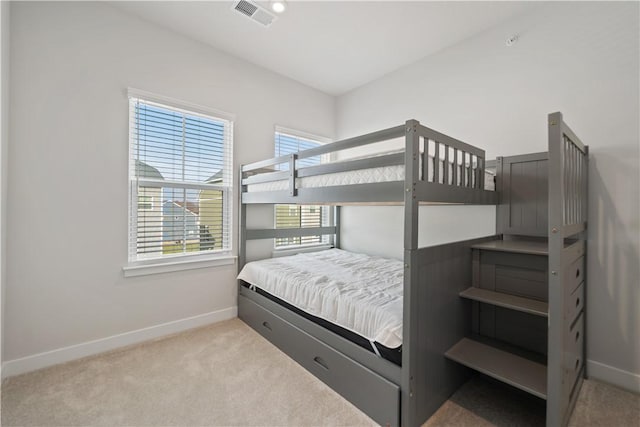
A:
[278, 6]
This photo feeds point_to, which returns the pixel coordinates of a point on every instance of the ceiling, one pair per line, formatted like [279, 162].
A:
[333, 46]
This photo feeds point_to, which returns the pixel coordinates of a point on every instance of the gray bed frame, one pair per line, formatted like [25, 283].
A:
[435, 319]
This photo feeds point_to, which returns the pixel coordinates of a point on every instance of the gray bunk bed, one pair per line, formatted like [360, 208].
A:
[439, 323]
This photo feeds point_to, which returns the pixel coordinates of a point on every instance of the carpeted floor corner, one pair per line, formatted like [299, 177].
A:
[224, 374]
[484, 402]
[227, 374]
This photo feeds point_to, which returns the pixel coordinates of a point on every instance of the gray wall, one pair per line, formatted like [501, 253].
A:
[578, 58]
[4, 141]
[71, 64]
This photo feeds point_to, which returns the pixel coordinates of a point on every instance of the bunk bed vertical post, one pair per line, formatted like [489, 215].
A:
[568, 160]
[500, 209]
[242, 227]
[411, 179]
[468, 170]
[446, 165]
[455, 167]
[410, 297]
[556, 241]
[336, 223]
[293, 157]
[436, 161]
[585, 218]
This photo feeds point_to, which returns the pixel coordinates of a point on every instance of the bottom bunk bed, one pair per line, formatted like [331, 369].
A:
[355, 295]
[340, 316]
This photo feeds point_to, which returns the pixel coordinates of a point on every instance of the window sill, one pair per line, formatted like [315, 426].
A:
[134, 270]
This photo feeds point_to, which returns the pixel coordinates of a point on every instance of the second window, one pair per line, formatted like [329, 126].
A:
[299, 216]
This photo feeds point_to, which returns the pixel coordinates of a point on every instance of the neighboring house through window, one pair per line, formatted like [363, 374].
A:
[145, 203]
[298, 216]
[180, 179]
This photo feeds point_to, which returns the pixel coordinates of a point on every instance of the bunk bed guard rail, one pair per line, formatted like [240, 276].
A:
[444, 161]
[569, 170]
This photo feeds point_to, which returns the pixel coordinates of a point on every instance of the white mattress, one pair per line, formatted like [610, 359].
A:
[358, 292]
[361, 176]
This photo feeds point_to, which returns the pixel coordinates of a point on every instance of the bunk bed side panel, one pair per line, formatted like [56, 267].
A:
[523, 185]
[443, 319]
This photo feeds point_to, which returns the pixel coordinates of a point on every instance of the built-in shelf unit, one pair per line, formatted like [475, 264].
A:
[527, 295]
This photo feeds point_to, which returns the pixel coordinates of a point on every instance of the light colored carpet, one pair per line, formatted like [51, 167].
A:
[224, 374]
[483, 402]
[227, 374]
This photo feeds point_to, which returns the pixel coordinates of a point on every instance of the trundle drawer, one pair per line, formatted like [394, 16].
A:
[373, 394]
[574, 352]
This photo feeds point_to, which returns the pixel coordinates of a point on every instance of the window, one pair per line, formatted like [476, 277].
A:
[180, 179]
[295, 216]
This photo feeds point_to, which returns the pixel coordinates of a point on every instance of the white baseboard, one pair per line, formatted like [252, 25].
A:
[66, 354]
[609, 374]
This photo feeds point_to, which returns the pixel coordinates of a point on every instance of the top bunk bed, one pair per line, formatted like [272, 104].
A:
[432, 168]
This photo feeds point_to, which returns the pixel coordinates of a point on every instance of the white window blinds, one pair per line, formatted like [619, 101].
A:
[298, 216]
[180, 181]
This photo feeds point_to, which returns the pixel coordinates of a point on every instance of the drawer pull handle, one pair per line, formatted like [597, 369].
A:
[578, 272]
[577, 364]
[577, 302]
[577, 335]
[267, 325]
[320, 361]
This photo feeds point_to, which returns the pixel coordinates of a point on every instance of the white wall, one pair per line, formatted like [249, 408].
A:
[578, 58]
[379, 230]
[4, 141]
[71, 64]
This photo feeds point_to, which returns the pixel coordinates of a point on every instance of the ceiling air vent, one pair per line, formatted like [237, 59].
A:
[254, 12]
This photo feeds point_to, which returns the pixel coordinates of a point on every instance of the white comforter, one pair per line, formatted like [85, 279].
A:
[358, 292]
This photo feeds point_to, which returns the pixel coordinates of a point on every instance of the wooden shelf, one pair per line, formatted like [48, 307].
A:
[504, 366]
[513, 302]
[515, 246]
